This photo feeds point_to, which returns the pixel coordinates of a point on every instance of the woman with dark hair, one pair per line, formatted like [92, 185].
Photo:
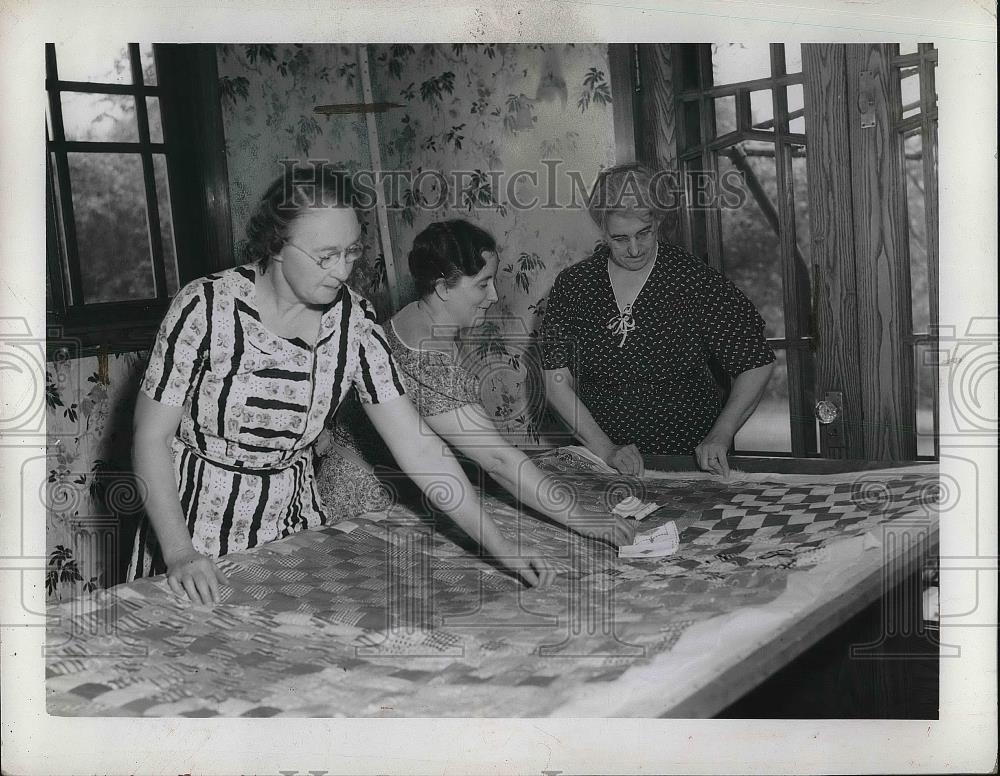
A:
[629, 334]
[248, 365]
[453, 265]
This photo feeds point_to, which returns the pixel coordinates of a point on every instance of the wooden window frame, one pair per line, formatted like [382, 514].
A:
[658, 80]
[190, 111]
[798, 341]
[926, 123]
[859, 312]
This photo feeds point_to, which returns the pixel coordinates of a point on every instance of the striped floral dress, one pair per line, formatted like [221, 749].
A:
[253, 404]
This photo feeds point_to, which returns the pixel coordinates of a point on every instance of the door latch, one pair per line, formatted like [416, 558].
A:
[866, 98]
[829, 412]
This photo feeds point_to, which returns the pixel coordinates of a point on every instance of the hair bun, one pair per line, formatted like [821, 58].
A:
[447, 250]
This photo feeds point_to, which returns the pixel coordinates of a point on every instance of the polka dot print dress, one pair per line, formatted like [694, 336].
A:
[253, 404]
[657, 391]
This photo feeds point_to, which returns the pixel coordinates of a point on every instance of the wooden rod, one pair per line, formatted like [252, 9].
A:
[376, 159]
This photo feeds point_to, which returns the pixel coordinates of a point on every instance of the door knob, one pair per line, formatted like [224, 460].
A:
[826, 411]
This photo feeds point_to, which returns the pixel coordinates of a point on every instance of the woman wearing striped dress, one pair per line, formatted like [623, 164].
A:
[248, 366]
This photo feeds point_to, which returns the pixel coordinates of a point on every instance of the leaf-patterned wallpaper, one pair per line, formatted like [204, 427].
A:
[268, 94]
[88, 488]
[479, 108]
[499, 108]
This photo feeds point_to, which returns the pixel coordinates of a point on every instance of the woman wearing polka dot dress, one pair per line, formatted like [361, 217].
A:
[248, 366]
[630, 332]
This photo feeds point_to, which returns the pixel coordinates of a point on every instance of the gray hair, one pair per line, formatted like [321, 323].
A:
[626, 189]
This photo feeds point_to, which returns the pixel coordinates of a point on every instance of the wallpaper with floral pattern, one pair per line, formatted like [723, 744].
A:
[479, 114]
[269, 93]
[90, 494]
[487, 108]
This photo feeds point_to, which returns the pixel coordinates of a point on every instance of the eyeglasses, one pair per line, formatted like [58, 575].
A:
[643, 236]
[352, 253]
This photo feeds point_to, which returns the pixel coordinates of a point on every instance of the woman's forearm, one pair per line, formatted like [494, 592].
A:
[470, 430]
[421, 455]
[516, 474]
[451, 492]
[442, 480]
[534, 488]
[743, 400]
[560, 392]
[152, 462]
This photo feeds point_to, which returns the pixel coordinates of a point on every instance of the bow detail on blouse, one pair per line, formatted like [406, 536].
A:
[623, 325]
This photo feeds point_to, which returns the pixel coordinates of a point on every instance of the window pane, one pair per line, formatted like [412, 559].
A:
[769, 428]
[793, 57]
[925, 359]
[105, 118]
[796, 109]
[919, 291]
[751, 254]
[166, 222]
[909, 88]
[155, 125]
[725, 115]
[80, 62]
[762, 110]
[907, 48]
[736, 62]
[112, 232]
[148, 64]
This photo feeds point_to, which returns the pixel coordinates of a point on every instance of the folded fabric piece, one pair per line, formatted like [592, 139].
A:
[658, 543]
[634, 507]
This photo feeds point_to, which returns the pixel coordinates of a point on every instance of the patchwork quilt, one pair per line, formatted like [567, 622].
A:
[398, 614]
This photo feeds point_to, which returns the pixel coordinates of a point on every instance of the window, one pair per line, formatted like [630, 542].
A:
[133, 149]
[740, 121]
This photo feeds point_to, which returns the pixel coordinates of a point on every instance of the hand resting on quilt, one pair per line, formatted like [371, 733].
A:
[196, 575]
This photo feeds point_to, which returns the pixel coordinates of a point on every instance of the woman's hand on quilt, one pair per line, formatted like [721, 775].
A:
[616, 531]
[625, 458]
[197, 576]
[323, 442]
[533, 568]
[711, 455]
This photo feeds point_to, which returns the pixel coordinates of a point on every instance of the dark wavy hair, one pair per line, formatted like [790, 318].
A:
[289, 196]
[446, 250]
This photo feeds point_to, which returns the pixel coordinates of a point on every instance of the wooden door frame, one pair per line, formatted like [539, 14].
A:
[831, 224]
[860, 245]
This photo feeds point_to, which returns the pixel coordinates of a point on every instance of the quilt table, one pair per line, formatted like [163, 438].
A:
[397, 614]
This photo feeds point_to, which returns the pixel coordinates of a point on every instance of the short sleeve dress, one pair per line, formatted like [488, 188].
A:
[434, 381]
[253, 404]
[657, 390]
